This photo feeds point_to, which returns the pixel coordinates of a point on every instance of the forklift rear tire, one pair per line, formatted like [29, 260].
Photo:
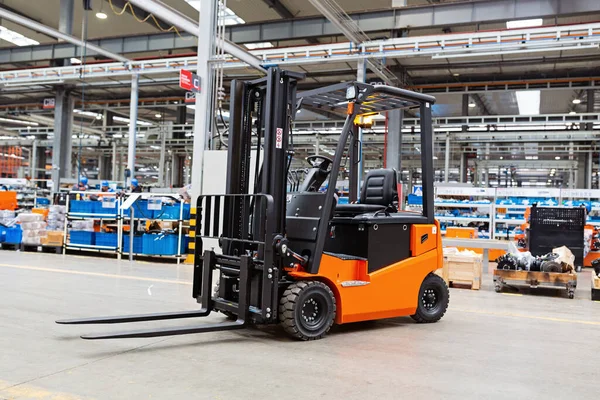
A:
[307, 310]
[434, 297]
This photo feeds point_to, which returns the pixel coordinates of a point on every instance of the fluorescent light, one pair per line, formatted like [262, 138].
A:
[126, 120]
[227, 16]
[155, 147]
[75, 60]
[260, 45]
[576, 101]
[98, 116]
[524, 23]
[455, 74]
[18, 121]
[101, 15]
[157, 115]
[528, 102]
[16, 38]
[502, 158]
[572, 112]
[557, 158]
[87, 113]
[472, 105]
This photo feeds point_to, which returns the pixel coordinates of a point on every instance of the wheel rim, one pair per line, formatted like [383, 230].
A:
[314, 312]
[431, 299]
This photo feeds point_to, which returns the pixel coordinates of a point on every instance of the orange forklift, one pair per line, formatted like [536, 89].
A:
[298, 258]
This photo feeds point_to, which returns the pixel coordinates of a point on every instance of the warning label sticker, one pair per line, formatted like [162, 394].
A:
[279, 138]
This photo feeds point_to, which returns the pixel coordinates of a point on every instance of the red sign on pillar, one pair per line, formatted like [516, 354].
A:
[186, 80]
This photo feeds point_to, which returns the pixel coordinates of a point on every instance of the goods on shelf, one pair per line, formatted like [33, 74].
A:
[33, 228]
[7, 217]
[56, 217]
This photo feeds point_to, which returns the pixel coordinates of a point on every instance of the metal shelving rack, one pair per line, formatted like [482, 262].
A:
[472, 192]
[509, 224]
[180, 220]
[73, 216]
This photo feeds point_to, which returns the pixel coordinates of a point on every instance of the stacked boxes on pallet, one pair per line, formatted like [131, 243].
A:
[33, 227]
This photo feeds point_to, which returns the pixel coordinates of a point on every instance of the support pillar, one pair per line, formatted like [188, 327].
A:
[115, 168]
[589, 168]
[465, 110]
[203, 115]
[447, 159]
[133, 116]
[34, 162]
[590, 107]
[161, 160]
[393, 154]
[361, 75]
[463, 167]
[62, 142]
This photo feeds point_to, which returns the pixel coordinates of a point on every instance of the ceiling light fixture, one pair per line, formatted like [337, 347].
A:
[98, 116]
[576, 101]
[472, 105]
[456, 74]
[157, 115]
[528, 102]
[101, 15]
[557, 158]
[572, 112]
[524, 23]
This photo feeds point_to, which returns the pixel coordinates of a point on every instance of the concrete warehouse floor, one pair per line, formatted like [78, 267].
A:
[488, 345]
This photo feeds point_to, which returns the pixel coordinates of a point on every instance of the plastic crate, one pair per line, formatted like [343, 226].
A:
[82, 237]
[12, 235]
[42, 201]
[81, 206]
[413, 199]
[138, 243]
[99, 207]
[164, 245]
[140, 208]
[106, 239]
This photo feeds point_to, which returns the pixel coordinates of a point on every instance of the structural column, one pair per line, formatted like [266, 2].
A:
[161, 161]
[465, 110]
[589, 168]
[463, 167]
[393, 154]
[203, 115]
[62, 142]
[115, 166]
[447, 159]
[133, 116]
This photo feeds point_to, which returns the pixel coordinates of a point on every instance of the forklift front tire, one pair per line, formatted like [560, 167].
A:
[434, 297]
[307, 310]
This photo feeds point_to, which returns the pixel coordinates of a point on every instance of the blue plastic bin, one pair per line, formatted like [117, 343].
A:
[12, 235]
[164, 245]
[81, 206]
[106, 239]
[82, 237]
[140, 208]
[413, 199]
[98, 208]
[42, 201]
[138, 243]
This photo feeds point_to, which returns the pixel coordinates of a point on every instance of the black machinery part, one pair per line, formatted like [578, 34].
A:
[551, 266]
[507, 261]
[596, 266]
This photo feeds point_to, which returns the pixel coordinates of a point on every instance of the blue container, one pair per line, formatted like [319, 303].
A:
[106, 239]
[82, 237]
[414, 199]
[140, 208]
[81, 206]
[138, 243]
[42, 201]
[98, 208]
[11, 235]
[341, 200]
[164, 245]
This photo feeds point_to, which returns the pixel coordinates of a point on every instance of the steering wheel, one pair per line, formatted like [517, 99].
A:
[321, 162]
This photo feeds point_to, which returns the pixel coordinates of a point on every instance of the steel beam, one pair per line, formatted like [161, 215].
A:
[29, 23]
[188, 25]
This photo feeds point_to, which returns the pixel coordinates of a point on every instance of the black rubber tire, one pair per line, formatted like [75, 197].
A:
[292, 308]
[432, 285]
[551, 266]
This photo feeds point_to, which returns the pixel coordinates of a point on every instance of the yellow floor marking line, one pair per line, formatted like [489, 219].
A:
[66, 271]
[24, 391]
[511, 294]
[538, 317]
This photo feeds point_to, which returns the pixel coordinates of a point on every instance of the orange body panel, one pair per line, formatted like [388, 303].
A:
[460, 232]
[422, 238]
[392, 291]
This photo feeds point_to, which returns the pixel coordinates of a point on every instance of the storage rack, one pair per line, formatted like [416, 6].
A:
[91, 214]
[510, 205]
[141, 208]
[476, 209]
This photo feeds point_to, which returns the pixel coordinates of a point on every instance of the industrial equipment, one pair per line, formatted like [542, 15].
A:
[298, 258]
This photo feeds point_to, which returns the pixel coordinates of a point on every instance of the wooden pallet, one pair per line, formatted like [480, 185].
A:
[595, 287]
[52, 249]
[534, 279]
[32, 248]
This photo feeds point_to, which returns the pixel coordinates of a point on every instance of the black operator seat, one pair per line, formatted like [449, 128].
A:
[379, 193]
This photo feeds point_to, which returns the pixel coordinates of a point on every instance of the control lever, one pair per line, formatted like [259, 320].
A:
[282, 247]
